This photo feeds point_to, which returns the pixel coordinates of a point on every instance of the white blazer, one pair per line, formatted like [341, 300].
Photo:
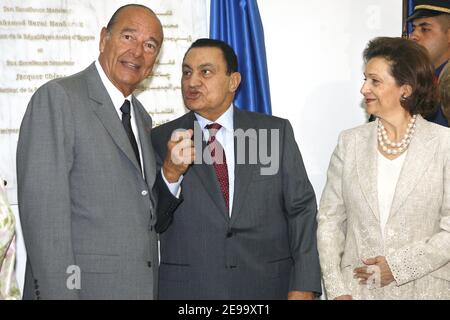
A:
[416, 241]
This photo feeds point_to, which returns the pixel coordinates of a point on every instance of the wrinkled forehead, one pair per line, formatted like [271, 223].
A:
[442, 21]
[137, 19]
[424, 20]
[204, 55]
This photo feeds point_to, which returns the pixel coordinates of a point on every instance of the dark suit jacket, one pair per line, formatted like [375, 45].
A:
[266, 248]
[82, 198]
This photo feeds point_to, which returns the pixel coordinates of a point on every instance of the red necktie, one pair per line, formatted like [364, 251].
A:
[219, 160]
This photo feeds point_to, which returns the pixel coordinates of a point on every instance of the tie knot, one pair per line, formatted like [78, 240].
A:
[125, 108]
[213, 128]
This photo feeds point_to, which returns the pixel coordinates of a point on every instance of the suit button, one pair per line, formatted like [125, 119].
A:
[144, 193]
[229, 234]
[149, 264]
[38, 293]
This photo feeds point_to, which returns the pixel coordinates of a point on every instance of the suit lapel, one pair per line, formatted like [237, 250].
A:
[106, 113]
[243, 171]
[420, 154]
[144, 128]
[208, 178]
[366, 165]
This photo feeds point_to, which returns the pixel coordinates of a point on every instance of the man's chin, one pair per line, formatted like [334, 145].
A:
[192, 106]
[129, 83]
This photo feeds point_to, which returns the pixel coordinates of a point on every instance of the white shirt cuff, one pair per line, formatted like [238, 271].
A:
[175, 187]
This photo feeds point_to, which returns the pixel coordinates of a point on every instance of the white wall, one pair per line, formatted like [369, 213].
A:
[314, 51]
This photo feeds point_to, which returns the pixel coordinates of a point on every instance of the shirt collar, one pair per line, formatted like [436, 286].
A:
[116, 96]
[225, 120]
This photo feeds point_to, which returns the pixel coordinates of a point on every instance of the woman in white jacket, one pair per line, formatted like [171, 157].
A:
[8, 283]
[384, 216]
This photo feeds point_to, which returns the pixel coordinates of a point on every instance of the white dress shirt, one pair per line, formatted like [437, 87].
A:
[388, 174]
[117, 99]
[225, 136]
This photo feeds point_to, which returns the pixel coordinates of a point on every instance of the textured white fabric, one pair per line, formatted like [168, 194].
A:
[416, 241]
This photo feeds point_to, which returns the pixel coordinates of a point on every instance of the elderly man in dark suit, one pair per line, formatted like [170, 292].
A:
[86, 170]
[246, 228]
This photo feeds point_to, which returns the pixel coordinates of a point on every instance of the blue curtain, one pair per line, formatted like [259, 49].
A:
[410, 11]
[238, 23]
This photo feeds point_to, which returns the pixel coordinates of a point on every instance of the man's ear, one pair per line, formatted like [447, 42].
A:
[103, 37]
[235, 81]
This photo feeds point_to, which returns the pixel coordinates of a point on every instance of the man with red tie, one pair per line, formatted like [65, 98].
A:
[246, 227]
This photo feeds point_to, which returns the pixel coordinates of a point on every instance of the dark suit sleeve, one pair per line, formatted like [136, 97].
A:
[166, 203]
[44, 160]
[301, 207]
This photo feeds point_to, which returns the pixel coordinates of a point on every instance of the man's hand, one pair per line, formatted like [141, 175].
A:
[301, 295]
[180, 154]
[377, 272]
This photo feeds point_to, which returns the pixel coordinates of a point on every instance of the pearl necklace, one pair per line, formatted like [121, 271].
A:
[392, 147]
